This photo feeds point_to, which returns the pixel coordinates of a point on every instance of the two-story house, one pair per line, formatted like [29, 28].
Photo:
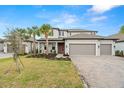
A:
[77, 42]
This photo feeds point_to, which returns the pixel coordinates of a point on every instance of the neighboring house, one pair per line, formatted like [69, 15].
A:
[5, 46]
[77, 42]
[119, 44]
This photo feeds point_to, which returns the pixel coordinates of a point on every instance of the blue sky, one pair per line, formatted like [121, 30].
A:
[105, 19]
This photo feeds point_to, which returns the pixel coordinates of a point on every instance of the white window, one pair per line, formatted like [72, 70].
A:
[61, 33]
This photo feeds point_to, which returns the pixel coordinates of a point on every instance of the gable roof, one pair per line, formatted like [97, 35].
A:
[118, 35]
[89, 36]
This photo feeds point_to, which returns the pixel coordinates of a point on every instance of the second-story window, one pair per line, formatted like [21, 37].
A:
[62, 33]
[59, 33]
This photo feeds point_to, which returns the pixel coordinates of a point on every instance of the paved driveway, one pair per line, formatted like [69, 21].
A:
[101, 71]
[4, 55]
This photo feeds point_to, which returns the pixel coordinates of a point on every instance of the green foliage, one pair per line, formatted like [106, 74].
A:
[33, 31]
[14, 38]
[45, 29]
[119, 53]
[122, 30]
[39, 73]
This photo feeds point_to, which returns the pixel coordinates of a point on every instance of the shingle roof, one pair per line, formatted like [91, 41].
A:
[81, 30]
[75, 30]
[88, 36]
[118, 35]
[50, 39]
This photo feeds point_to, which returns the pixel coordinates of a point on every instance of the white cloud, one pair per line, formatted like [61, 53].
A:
[101, 8]
[99, 18]
[65, 18]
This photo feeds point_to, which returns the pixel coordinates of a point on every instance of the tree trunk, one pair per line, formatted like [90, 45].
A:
[47, 44]
[34, 45]
[20, 46]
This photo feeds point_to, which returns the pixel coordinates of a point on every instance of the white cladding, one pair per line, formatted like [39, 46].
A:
[97, 42]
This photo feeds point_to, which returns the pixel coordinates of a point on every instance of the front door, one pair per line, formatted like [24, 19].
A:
[61, 48]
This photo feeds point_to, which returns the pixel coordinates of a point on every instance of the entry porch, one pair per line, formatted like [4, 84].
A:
[57, 47]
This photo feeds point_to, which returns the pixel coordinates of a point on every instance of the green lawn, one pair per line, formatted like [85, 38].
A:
[39, 72]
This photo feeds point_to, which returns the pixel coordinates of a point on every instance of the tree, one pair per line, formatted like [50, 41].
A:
[13, 36]
[122, 30]
[22, 36]
[32, 33]
[45, 29]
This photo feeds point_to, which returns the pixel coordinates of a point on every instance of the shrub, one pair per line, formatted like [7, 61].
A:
[117, 53]
[121, 53]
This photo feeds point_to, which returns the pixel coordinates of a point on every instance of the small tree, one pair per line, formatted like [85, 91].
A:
[46, 30]
[14, 37]
[22, 36]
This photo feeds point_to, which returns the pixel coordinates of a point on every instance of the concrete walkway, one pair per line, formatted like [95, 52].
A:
[4, 55]
[102, 71]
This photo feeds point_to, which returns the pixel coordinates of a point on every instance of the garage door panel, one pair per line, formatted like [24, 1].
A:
[106, 49]
[82, 49]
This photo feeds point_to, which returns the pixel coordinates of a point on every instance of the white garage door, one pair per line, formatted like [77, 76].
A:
[106, 49]
[82, 49]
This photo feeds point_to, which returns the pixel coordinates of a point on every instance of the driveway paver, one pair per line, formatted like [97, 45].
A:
[101, 71]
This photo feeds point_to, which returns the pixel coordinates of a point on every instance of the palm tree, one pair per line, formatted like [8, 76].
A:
[32, 33]
[45, 29]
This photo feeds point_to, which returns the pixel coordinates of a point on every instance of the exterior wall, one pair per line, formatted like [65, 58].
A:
[119, 46]
[1, 47]
[55, 34]
[97, 42]
[28, 48]
[109, 42]
[42, 45]
[67, 42]
[65, 33]
[51, 44]
[74, 33]
[5, 47]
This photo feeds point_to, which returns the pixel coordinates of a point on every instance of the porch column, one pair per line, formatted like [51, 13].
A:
[98, 48]
[5, 47]
[38, 47]
[56, 47]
